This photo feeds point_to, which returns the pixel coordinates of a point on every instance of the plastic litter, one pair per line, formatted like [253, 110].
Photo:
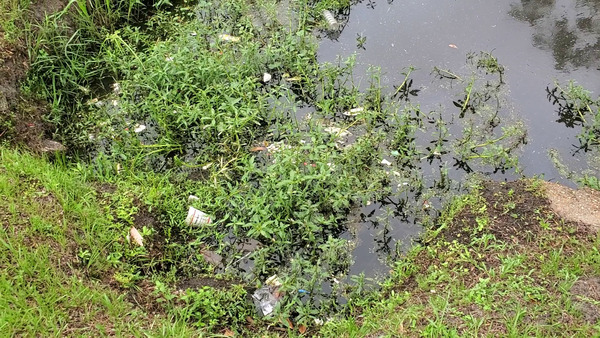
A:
[277, 146]
[192, 198]
[273, 281]
[265, 300]
[136, 237]
[386, 162]
[139, 128]
[197, 217]
[354, 111]
[337, 131]
[267, 77]
[331, 21]
[290, 78]
[227, 37]
[116, 88]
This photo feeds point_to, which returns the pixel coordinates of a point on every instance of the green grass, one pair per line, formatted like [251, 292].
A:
[285, 181]
[484, 286]
[48, 215]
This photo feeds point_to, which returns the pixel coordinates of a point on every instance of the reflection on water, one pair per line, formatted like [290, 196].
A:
[536, 41]
[570, 29]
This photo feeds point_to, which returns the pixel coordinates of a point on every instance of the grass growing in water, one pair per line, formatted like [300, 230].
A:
[194, 80]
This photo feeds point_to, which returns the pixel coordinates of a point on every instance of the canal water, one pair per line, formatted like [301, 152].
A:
[539, 42]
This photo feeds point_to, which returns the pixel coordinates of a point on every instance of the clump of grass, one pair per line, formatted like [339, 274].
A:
[577, 109]
[192, 103]
[467, 280]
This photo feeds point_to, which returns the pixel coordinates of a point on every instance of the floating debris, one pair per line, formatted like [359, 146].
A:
[337, 131]
[227, 37]
[116, 88]
[331, 21]
[136, 237]
[266, 77]
[256, 149]
[197, 217]
[354, 111]
[95, 102]
[277, 147]
[139, 128]
[290, 78]
[273, 281]
[267, 297]
[265, 300]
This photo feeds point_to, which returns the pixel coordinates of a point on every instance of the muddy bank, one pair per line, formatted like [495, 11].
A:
[22, 116]
[503, 263]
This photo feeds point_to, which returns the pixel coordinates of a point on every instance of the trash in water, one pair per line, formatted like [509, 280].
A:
[273, 281]
[116, 88]
[197, 217]
[227, 37]
[139, 128]
[135, 236]
[331, 21]
[265, 300]
[277, 147]
[354, 111]
[267, 297]
[255, 149]
[266, 77]
[289, 78]
[95, 102]
[386, 162]
[337, 131]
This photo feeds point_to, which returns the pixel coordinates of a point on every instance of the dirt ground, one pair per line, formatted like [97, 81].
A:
[22, 118]
[582, 205]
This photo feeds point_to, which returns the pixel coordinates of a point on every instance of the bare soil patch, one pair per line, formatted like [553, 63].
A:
[586, 297]
[581, 205]
[512, 213]
[200, 282]
[22, 118]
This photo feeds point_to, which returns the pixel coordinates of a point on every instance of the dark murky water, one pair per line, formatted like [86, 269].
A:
[537, 41]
